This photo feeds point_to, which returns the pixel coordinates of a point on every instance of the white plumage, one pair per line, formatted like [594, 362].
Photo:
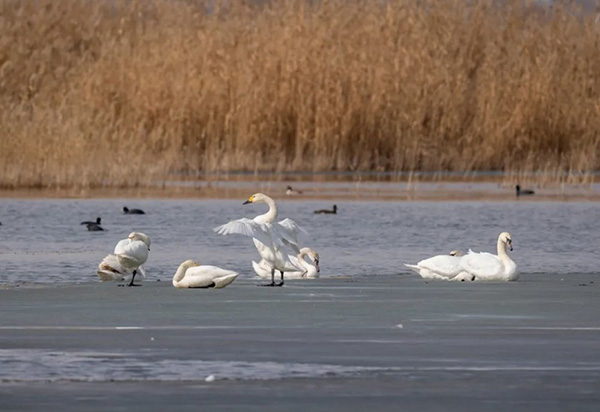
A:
[129, 256]
[490, 267]
[273, 240]
[441, 267]
[310, 270]
[191, 275]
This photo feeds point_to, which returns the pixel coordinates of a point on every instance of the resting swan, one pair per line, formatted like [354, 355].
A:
[191, 275]
[442, 267]
[272, 240]
[129, 256]
[310, 271]
[486, 266]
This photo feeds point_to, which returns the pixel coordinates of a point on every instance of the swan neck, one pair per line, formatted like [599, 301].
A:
[271, 214]
[502, 250]
[179, 275]
[302, 261]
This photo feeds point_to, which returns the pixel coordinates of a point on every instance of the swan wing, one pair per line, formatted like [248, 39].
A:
[207, 276]
[285, 233]
[262, 269]
[482, 265]
[246, 227]
[443, 265]
[134, 251]
[110, 269]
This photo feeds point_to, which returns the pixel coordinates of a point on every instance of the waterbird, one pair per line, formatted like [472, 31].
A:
[97, 222]
[128, 211]
[129, 256]
[192, 275]
[487, 266]
[273, 240]
[523, 192]
[327, 211]
[310, 270]
[442, 267]
[93, 227]
[291, 192]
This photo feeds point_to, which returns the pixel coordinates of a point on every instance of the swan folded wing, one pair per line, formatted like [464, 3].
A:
[135, 252]
[481, 264]
[246, 227]
[205, 275]
[443, 265]
[261, 268]
[296, 262]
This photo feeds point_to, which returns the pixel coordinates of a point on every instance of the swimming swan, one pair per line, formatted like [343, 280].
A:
[129, 256]
[310, 270]
[191, 275]
[273, 240]
[442, 267]
[486, 266]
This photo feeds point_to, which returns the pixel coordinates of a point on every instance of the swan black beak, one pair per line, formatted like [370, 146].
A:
[246, 202]
[510, 245]
[317, 266]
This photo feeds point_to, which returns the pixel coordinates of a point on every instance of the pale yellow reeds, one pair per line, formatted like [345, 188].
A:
[123, 93]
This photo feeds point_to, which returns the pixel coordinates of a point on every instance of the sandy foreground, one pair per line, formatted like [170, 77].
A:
[384, 342]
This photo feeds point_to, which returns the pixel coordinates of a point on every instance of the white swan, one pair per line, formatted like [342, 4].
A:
[129, 256]
[191, 275]
[486, 266]
[442, 267]
[310, 270]
[273, 240]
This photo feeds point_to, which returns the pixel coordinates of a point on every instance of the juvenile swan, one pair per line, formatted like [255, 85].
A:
[486, 266]
[129, 256]
[273, 240]
[310, 270]
[191, 275]
[442, 267]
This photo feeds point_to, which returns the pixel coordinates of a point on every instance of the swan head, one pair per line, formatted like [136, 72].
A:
[456, 253]
[506, 239]
[189, 264]
[256, 198]
[140, 236]
[314, 256]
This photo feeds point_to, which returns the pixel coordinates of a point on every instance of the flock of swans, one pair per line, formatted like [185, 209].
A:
[278, 246]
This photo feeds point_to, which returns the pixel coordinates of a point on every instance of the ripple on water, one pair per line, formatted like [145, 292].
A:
[26, 365]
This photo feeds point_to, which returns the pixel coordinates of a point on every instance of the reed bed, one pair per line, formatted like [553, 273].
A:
[125, 93]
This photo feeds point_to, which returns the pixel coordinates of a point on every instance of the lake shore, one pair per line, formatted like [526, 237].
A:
[377, 190]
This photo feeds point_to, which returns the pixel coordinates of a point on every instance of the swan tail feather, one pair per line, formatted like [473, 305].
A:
[224, 280]
[413, 267]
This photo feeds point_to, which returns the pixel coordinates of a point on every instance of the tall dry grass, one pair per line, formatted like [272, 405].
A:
[121, 93]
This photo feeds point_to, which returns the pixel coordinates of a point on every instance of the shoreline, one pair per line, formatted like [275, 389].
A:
[369, 190]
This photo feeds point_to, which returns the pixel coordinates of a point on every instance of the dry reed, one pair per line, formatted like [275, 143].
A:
[123, 93]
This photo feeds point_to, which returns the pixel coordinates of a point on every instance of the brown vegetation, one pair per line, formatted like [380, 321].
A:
[122, 93]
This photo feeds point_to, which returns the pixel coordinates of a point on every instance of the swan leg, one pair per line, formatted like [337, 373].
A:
[132, 277]
[281, 284]
[272, 279]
